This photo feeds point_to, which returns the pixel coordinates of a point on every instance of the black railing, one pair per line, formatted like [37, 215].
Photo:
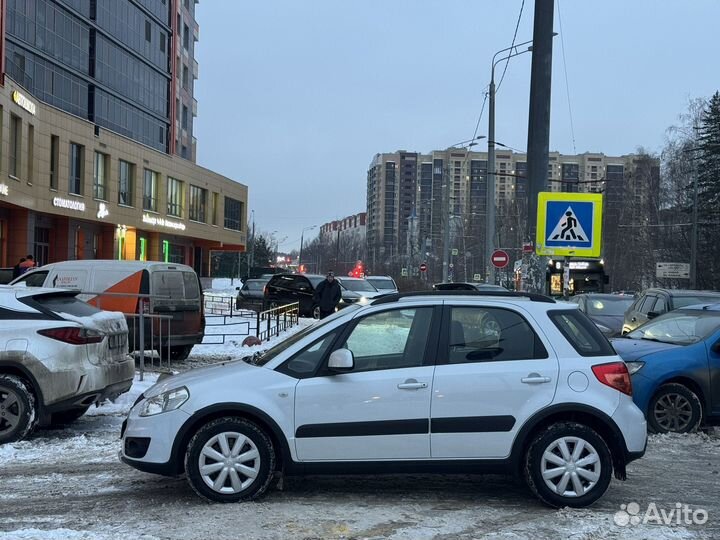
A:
[273, 321]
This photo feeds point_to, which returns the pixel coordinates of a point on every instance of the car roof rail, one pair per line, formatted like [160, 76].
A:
[394, 297]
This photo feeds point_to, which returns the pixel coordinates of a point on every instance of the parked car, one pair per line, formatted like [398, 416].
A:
[605, 310]
[289, 288]
[674, 361]
[6, 275]
[174, 291]
[461, 286]
[252, 290]
[654, 302]
[384, 284]
[58, 356]
[355, 290]
[411, 382]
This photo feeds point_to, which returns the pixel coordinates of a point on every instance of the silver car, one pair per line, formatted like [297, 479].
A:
[58, 356]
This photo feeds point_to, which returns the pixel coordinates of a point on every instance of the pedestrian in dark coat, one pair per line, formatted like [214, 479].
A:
[16, 269]
[327, 295]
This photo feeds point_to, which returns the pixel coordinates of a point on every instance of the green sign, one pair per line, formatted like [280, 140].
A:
[454, 252]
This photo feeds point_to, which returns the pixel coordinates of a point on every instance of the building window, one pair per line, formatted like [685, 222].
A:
[198, 204]
[54, 152]
[76, 168]
[150, 190]
[100, 176]
[162, 41]
[185, 77]
[186, 37]
[148, 32]
[183, 151]
[233, 214]
[125, 186]
[175, 197]
[214, 208]
[15, 144]
[184, 117]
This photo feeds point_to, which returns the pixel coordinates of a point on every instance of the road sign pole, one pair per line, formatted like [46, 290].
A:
[566, 278]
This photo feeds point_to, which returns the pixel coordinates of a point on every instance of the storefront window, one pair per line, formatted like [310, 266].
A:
[175, 197]
[150, 191]
[125, 189]
[15, 142]
[198, 204]
[100, 176]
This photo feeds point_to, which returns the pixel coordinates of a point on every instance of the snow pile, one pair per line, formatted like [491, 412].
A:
[122, 405]
[67, 534]
[223, 286]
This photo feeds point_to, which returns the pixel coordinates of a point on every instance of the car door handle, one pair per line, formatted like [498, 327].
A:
[411, 384]
[534, 378]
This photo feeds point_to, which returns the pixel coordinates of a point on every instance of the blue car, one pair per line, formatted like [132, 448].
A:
[674, 361]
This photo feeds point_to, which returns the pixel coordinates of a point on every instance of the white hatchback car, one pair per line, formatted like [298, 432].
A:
[58, 356]
[430, 382]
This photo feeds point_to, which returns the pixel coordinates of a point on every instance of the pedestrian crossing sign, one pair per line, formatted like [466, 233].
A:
[569, 224]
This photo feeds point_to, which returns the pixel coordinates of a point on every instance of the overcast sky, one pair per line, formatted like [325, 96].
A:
[296, 97]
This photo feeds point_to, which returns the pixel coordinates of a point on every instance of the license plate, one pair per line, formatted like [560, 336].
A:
[117, 341]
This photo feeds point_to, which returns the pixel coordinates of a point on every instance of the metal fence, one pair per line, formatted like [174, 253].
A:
[273, 321]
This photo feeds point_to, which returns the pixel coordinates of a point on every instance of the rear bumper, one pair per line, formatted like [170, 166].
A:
[85, 400]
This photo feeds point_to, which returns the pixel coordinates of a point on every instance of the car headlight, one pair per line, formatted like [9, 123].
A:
[167, 401]
[634, 367]
[363, 300]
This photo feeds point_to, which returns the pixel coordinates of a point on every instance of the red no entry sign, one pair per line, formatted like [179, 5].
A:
[500, 258]
[423, 267]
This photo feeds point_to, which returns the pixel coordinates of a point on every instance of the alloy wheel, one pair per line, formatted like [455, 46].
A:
[229, 462]
[673, 412]
[11, 409]
[570, 466]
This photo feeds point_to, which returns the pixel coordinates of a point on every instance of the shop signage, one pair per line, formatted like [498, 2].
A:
[162, 222]
[4, 190]
[69, 204]
[102, 211]
[24, 102]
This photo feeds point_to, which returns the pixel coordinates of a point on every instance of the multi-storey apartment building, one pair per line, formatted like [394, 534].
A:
[96, 136]
[392, 196]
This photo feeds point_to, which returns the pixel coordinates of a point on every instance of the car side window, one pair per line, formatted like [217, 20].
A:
[390, 339]
[648, 304]
[581, 333]
[305, 363]
[34, 279]
[300, 284]
[660, 305]
[485, 334]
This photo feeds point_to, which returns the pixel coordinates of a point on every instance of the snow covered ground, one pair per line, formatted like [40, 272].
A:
[69, 484]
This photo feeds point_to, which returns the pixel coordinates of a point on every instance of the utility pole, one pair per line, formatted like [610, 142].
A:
[490, 204]
[539, 125]
[251, 254]
[446, 225]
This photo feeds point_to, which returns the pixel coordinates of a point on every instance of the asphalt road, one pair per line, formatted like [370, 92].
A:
[69, 484]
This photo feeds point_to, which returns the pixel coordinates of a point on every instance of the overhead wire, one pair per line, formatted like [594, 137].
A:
[567, 85]
[517, 25]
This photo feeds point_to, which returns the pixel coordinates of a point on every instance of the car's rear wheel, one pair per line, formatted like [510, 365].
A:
[676, 409]
[230, 460]
[17, 409]
[316, 312]
[180, 352]
[568, 464]
[69, 416]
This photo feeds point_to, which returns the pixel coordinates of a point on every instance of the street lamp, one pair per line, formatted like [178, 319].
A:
[446, 193]
[301, 243]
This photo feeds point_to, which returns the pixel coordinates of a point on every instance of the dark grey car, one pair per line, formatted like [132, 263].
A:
[606, 310]
[654, 302]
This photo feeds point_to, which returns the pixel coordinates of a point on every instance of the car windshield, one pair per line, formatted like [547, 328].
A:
[262, 358]
[679, 328]
[615, 306]
[381, 283]
[684, 301]
[358, 285]
[255, 285]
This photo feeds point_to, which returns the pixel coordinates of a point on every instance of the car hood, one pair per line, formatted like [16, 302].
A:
[635, 349]
[347, 293]
[203, 375]
[614, 322]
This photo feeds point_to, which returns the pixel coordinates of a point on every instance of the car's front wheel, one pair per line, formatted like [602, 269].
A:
[568, 464]
[180, 352]
[17, 409]
[316, 313]
[674, 408]
[230, 460]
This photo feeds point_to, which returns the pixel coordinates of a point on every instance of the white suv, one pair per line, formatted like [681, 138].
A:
[461, 382]
[58, 356]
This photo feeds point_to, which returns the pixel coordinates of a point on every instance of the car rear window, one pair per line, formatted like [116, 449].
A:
[192, 288]
[68, 304]
[581, 332]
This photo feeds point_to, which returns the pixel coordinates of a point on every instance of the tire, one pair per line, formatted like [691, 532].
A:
[257, 447]
[597, 465]
[180, 352]
[69, 416]
[17, 409]
[316, 312]
[675, 409]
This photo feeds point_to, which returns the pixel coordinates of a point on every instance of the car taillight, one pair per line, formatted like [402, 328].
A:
[615, 375]
[73, 335]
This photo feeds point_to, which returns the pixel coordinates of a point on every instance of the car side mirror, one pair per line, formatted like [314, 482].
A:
[653, 314]
[716, 348]
[237, 288]
[341, 360]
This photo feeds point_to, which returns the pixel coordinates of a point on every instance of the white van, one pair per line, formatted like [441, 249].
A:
[111, 285]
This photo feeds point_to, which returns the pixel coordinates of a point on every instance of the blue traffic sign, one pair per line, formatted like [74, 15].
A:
[569, 224]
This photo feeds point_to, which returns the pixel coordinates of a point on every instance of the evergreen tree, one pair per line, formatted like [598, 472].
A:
[709, 159]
